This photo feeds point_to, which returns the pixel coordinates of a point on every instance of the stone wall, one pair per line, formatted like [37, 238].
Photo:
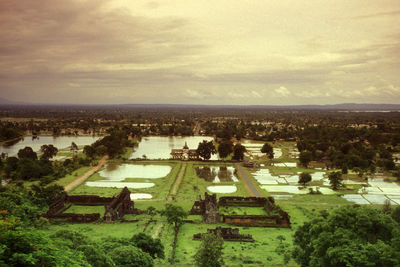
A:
[209, 209]
[243, 201]
[255, 220]
[116, 207]
[78, 218]
[89, 200]
[228, 234]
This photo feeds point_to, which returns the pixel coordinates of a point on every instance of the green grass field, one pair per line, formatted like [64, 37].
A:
[270, 243]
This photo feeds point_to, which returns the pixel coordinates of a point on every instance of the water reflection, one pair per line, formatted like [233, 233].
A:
[217, 174]
[159, 147]
[119, 172]
[60, 142]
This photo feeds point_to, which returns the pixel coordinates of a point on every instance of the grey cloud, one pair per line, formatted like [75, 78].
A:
[378, 14]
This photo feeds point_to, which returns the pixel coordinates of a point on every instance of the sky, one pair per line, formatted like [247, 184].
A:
[219, 52]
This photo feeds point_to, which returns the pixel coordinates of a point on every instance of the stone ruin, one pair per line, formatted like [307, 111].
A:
[115, 207]
[209, 209]
[228, 234]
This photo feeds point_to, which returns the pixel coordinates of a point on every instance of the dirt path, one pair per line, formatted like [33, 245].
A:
[157, 230]
[86, 175]
[178, 181]
[251, 188]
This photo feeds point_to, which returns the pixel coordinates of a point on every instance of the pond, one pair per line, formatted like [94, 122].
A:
[119, 184]
[254, 148]
[119, 172]
[296, 189]
[135, 196]
[286, 164]
[217, 174]
[222, 189]
[61, 142]
[159, 147]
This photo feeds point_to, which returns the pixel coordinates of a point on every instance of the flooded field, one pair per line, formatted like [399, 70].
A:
[115, 174]
[119, 184]
[286, 164]
[159, 147]
[291, 189]
[254, 149]
[264, 177]
[222, 189]
[135, 196]
[60, 142]
[119, 172]
[216, 174]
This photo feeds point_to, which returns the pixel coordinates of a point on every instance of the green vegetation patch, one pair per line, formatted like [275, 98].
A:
[86, 209]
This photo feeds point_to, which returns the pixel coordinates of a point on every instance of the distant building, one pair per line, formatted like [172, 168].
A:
[185, 153]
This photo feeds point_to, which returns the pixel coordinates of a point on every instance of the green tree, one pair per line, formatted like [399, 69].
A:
[335, 179]
[29, 247]
[174, 214]
[238, 152]
[89, 151]
[48, 151]
[225, 149]
[146, 243]
[349, 236]
[130, 256]
[305, 157]
[396, 214]
[206, 149]
[210, 252]
[304, 178]
[268, 150]
[74, 147]
[27, 153]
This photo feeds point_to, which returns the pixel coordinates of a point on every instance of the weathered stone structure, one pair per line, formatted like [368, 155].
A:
[115, 207]
[209, 209]
[119, 206]
[228, 234]
[185, 153]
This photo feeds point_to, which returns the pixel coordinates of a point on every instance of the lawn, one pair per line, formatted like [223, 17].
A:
[71, 177]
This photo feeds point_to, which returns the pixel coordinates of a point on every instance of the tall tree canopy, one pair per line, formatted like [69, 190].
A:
[268, 150]
[225, 149]
[349, 236]
[206, 149]
[238, 152]
[27, 153]
[209, 254]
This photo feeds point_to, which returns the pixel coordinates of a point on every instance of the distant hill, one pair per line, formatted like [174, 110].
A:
[335, 107]
[4, 102]
[345, 106]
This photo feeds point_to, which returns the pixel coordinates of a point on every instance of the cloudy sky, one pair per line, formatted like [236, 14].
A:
[200, 52]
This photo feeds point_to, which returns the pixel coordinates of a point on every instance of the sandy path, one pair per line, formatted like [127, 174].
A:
[86, 175]
[178, 181]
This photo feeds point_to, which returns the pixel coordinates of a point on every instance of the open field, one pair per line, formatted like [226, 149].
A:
[182, 186]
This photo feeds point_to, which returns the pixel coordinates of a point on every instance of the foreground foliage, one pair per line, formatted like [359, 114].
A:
[349, 236]
[210, 252]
